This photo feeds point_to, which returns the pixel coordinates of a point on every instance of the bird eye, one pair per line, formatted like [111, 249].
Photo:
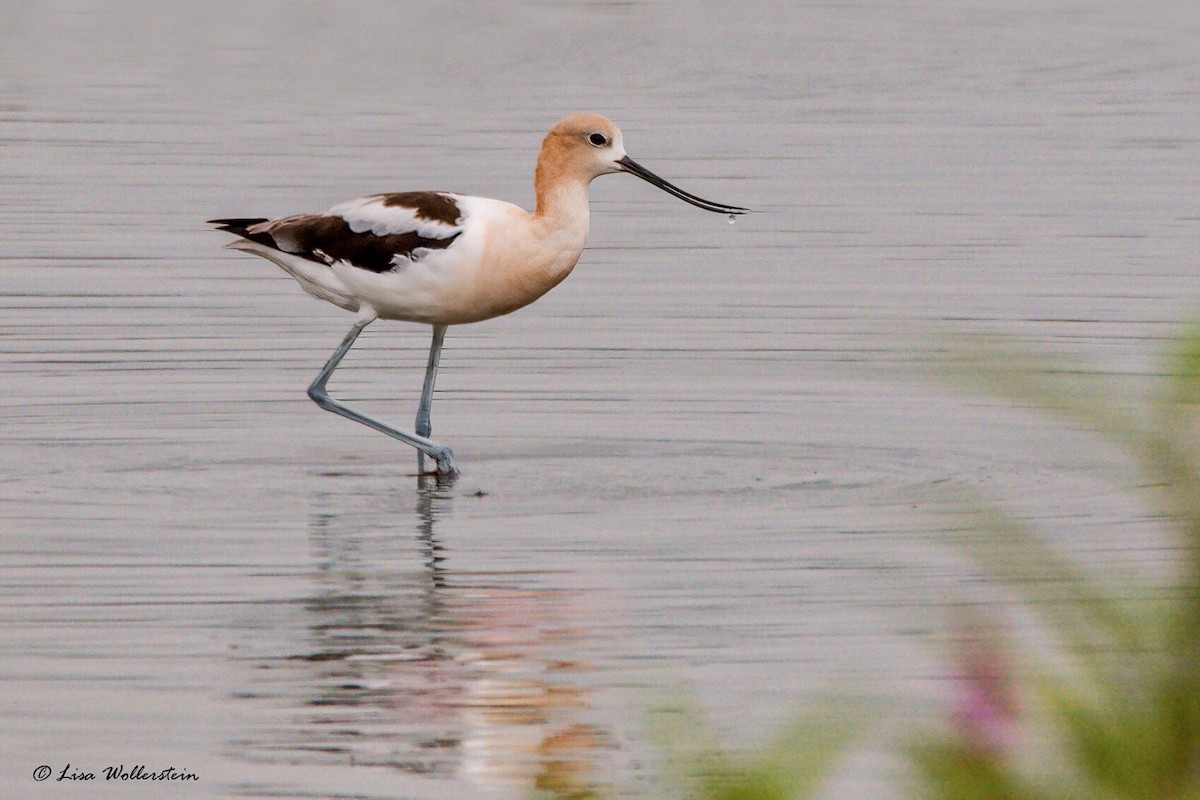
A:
[598, 139]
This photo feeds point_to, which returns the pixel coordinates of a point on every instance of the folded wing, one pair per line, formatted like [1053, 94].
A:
[378, 233]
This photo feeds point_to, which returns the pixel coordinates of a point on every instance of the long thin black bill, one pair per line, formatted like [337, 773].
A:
[634, 168]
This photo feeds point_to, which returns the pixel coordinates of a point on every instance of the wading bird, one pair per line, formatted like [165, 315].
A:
[444, 259]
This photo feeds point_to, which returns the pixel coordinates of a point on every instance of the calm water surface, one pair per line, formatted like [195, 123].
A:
[696, 460]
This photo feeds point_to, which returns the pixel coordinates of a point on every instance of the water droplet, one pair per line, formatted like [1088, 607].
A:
[732, 218]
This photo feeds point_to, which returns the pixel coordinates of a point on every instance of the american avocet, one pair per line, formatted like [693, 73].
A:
[447, 259]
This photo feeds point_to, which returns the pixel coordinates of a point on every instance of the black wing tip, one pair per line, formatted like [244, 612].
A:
[236, 225]
[240, 226]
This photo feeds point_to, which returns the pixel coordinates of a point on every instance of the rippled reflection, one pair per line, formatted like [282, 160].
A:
[473, 676]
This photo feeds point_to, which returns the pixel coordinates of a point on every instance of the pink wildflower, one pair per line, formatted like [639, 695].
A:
[985, 712]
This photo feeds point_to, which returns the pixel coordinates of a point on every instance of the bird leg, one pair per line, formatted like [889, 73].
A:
[423, 426]
[439, 453]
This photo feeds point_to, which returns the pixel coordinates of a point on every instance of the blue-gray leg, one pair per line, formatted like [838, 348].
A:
[423, 426]
[439, 453]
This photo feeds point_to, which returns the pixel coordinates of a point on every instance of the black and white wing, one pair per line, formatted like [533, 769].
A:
[377, 233]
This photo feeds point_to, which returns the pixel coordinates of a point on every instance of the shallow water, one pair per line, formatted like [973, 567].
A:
[699, 460]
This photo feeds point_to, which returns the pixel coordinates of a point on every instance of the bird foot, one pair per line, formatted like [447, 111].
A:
[444, 459]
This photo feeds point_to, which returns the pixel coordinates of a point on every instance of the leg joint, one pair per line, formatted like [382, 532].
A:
[318, 395]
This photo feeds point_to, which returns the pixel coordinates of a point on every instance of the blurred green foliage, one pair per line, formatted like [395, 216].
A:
[1115, 716]
[1120, 719]
[791, 766]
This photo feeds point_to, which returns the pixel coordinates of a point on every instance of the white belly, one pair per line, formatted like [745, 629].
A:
[498, 264]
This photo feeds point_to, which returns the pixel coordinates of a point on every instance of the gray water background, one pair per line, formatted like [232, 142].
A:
[699, 460]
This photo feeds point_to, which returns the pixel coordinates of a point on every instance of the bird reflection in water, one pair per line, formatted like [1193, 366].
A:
[450, 676]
